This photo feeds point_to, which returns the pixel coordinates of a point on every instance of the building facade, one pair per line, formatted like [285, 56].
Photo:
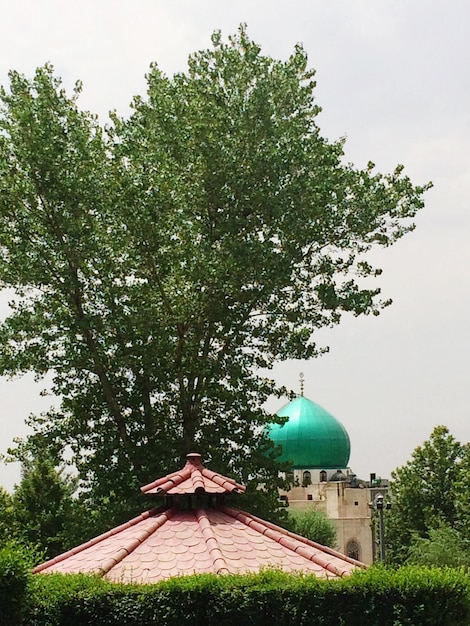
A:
[318, 447]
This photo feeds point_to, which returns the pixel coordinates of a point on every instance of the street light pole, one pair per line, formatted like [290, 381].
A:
[379, 505]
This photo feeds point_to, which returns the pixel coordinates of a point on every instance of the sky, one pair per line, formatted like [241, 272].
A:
[392, 77]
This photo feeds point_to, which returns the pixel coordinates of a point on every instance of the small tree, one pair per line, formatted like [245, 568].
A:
[425, 493]
[43, 508]
[313, 525]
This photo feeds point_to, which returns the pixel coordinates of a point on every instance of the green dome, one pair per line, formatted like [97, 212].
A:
[312, 437]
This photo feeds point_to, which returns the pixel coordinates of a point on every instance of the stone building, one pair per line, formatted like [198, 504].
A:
[318, 446]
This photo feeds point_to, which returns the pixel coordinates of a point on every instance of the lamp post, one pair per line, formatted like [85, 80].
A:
[379, 505]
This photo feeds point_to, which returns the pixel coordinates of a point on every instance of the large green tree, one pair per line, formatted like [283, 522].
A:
[160, 262]
[428, 503]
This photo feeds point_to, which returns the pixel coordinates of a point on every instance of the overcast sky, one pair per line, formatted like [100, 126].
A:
[393, 78]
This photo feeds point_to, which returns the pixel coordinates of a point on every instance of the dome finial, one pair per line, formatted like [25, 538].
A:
[301, 378]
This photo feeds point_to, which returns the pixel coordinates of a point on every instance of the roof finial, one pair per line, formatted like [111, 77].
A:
[301, 378]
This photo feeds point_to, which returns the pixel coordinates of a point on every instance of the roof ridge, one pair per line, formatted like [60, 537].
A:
[175, 478]
[197, 481]
[287, 539]
[136, 541]
[308, 542]
[223, 480]
[212, 544]
[95, 540]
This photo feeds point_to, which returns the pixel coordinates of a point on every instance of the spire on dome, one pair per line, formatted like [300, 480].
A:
[301, 378]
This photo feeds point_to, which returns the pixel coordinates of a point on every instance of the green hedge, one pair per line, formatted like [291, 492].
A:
[380, 597]
[415, 596]
[15, 565]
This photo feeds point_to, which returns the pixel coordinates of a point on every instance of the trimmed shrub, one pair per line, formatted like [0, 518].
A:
[15, 566]
[414, 596]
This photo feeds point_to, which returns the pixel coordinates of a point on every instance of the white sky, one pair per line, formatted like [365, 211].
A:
[393, 77]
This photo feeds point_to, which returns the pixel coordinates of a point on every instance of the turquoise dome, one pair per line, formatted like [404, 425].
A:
[311, 438]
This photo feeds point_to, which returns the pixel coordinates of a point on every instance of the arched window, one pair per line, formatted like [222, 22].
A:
[323, 476]
[353, 549]
[306, 479]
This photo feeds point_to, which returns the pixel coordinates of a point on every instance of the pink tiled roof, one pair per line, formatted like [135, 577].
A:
[193, 478]
[161, 544]
[168, 542]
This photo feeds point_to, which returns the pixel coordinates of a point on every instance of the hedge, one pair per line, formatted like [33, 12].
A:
[377, 597]
[15, 565]
[415, 596]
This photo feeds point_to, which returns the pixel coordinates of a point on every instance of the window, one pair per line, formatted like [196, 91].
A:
[323, 476]
[353, 549]
[306, 479]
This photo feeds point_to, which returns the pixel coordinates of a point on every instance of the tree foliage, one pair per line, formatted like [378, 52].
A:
[312, 524]
[428, 502]
[43, 515]
[444, 547]
[44, 509]
[6, 513]
[160, 261]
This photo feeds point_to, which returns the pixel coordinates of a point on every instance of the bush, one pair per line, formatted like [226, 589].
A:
[377, 597]
[15, 566]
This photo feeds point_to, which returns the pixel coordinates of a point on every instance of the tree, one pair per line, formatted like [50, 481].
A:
[462, 489]
[445, 547]
[158, 263]
[6, 514]
[425, 493]
[44, 515]
[44, 509]
[313, 525]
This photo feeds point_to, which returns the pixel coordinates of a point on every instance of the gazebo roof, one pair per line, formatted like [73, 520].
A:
[194, 478]
[173, 541]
